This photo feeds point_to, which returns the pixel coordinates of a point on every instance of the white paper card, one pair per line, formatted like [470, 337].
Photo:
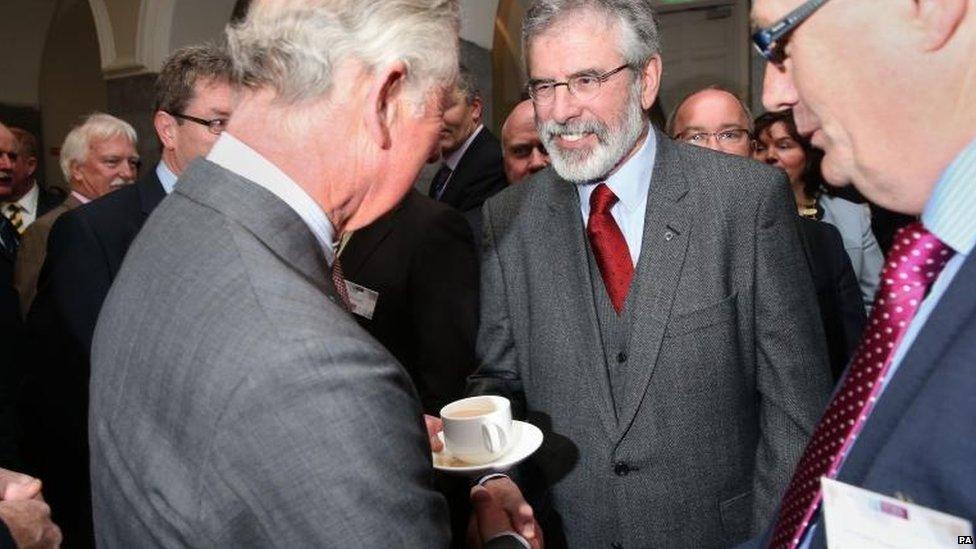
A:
[856, 518]
[362, 299]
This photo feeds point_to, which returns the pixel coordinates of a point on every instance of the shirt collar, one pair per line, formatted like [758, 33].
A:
[234, 155]
[949, 212]
[166, 176]
[454, 158]
[28, 202]
[632, 181]
[80, 197]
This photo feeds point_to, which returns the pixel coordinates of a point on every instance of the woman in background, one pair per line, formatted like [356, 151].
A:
[779, 143]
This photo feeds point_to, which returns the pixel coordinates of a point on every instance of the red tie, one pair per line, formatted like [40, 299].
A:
[609, 246]
[914, 262]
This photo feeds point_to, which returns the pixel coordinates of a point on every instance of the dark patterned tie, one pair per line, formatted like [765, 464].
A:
[9, 240]
[609, 246]
[13, 212]
[439, 182]
[914, 262]
[339, 282]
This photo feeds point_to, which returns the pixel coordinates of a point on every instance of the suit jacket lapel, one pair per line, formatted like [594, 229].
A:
[563, 241]
[262, 214]
[955, 308]
[667, 224]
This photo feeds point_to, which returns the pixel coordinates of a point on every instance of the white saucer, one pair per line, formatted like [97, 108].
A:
[528, 438]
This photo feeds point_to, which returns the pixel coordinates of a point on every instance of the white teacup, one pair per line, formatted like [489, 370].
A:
[478, 429]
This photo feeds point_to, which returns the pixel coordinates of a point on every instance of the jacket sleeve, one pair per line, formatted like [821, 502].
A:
[871, 262]
[498, 371]
[444, 308]
[792, 372]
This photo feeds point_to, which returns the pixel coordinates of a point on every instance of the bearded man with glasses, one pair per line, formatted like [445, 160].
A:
[664, 336]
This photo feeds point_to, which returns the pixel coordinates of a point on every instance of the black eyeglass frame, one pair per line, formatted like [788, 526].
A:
[769, 40]
[601, 78]
[216, 126]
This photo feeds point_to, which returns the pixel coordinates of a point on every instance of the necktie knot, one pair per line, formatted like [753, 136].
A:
[915, 259]
[602, 199]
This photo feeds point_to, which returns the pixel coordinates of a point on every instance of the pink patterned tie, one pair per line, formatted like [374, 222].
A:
[914, 262]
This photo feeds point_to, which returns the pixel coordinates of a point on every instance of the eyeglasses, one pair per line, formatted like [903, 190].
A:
[732, 135]
[771, 41]
[216, 126]
[583, 86]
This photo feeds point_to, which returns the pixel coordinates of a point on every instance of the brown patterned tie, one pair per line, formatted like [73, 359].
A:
[339, 282]
[914, 262]
[13, 212]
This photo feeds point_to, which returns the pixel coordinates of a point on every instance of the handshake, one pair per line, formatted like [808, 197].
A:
[500, 510]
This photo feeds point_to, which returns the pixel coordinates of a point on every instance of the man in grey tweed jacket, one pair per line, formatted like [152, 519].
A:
[234, 400]
[675, 421]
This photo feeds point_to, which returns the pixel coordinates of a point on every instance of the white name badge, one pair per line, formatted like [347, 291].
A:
[362, 299]
[856, 518]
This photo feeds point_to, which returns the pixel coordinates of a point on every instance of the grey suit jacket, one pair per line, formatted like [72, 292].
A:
[233, 404]
[727, 359]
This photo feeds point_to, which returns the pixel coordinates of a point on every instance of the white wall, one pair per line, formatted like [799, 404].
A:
[478, 21]
[196, 21]
[23, 26]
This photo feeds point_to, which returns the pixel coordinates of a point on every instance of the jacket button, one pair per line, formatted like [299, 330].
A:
[621, 357]
[616, 546]
[621, 469]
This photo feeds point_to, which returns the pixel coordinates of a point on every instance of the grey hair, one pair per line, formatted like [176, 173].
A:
[294, 46]
[96, 127]
[672, 119]
[639, 39]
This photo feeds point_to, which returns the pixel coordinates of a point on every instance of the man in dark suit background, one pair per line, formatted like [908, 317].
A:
[472, 156]
[906, 435]
[86, 247]
[663, 336]
[714, 117]
[416, 269]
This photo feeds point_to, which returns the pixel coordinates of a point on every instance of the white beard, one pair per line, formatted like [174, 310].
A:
[585, 165]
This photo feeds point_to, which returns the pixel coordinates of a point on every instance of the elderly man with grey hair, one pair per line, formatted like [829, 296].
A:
[97, 156]
[235, 402]
[646, 303]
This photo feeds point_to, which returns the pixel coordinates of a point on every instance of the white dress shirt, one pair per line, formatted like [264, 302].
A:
[631, 183]
[234, 155]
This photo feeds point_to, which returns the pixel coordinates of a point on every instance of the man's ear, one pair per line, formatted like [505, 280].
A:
[938, 20]
[31, 165]
[74, 170]
[165, 126]
[385, 97]
[650, 82]
[477, 104]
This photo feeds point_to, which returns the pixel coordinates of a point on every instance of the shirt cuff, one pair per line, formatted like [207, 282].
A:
[486, 478]
[523, 541]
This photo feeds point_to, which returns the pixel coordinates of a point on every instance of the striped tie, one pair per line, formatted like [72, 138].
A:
[13, 212]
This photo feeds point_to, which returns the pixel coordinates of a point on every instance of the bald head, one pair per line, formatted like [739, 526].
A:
[713, 118]
[522, 150]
